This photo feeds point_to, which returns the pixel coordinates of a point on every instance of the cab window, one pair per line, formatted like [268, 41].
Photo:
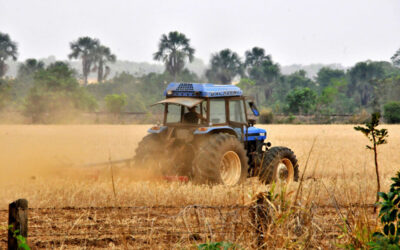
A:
[236, 111]
[217, 111]
[173, 113]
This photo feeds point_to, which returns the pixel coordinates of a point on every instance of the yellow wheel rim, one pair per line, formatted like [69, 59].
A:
[230, 168]
[285, 171]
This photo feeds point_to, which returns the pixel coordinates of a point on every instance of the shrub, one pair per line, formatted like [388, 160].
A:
[266, 116]
[360, 118]
[392, 112]
[115, 103]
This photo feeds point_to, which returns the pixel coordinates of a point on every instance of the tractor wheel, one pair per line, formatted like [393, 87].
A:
[279, 164]
[148, 152]
[220, 159]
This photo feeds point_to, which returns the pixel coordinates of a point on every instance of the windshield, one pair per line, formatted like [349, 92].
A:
[181, 114]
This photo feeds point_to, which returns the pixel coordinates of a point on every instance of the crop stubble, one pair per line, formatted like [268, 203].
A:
[74, 206]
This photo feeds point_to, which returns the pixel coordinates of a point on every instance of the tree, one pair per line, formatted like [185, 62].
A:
[4, 93]
[326, 75]
[392, 112]
[299, 79]
[377, 137]
[103, 55]
[301, 100]
[362, 79]
[55, 93]
[8, 49]
[173, 50]
[262, 70]
[29, 67]
[225, 65]
[85, 49]
[115, 103]
[255, 57]
[396, 58]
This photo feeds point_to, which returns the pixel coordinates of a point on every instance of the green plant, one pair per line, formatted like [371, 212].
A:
[115, 103]
[217, 246]
[377, 137]
[22, 243]
[389, 236]
[392, 112]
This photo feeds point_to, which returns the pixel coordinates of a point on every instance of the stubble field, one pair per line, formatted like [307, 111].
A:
[73, 206]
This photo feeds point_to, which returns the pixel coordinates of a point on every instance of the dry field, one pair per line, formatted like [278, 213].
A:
[76, 207]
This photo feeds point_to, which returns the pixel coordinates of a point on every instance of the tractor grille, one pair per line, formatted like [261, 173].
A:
[185, 87]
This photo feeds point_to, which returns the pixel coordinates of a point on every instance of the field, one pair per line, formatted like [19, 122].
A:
[73, 206]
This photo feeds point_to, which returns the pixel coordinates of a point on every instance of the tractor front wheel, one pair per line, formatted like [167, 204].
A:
[220, 159]
[279, 164]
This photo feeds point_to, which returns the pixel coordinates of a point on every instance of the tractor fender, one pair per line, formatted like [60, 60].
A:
[157, 129]
[215, 130]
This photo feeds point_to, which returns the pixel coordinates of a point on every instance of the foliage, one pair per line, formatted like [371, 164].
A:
[21, 240]
[301, 100]
[173, 50]
[376, 137]
[8, 49]
[326, 76]
[396, 58]
[103, 55]
[225, 65]
[4, 93]
[217, 246]
[389, 236]
[56, 92]
[115, 103]
[85, 48]
[392, 112]
[266, 116]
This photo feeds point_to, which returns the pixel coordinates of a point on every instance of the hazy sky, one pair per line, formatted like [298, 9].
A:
[297, 31]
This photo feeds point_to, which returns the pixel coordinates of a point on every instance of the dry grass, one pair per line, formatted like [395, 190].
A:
[42, 164]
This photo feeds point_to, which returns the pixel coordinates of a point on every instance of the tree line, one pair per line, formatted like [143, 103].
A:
[44, 91]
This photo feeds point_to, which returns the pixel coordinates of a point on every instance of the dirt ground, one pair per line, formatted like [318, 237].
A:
[73, 206]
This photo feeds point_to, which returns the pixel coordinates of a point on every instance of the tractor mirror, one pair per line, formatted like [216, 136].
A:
[254, 109]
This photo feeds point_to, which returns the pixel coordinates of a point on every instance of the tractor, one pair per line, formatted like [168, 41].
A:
[207, 135]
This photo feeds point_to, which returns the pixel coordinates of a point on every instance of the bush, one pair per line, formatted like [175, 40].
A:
[266, 116]
[115, 103]
[392, 112]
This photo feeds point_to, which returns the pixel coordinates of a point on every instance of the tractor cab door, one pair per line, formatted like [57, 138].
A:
[237, 116]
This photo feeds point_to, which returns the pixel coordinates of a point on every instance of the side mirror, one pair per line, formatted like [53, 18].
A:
[254, 109]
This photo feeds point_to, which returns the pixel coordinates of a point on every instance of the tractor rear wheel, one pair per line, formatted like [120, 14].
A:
[148, 152]
[220, 159]
[279, 164]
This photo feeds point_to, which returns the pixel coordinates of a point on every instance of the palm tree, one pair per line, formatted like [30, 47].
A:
[173, 51]
[29, 67]
[255, 57]
[225, 65]
[85, 49]
[103, 55]
[8, 49]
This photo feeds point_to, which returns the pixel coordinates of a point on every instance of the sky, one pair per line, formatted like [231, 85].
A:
[292, 31]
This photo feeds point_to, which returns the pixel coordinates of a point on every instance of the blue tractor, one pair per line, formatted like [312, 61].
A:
[207, 135]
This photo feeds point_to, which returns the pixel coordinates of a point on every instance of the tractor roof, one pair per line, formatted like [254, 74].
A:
[201, 90]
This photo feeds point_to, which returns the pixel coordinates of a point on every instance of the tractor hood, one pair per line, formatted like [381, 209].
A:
[184, 101]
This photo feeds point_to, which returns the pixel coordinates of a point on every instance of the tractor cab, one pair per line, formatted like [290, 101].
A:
[208, 108]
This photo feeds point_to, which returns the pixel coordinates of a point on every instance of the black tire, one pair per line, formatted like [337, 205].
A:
[207, 163]
[271, 162]
[147, 151]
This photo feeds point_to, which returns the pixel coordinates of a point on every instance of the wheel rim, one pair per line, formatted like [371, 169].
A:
[230, 168]
[285, 170]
